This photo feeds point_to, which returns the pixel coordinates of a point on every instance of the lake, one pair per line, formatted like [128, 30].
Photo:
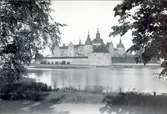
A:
[115, 78]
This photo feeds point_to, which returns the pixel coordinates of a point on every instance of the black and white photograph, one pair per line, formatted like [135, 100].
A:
[83, 57]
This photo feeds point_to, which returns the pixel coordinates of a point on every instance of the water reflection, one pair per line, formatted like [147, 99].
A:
[111, 79]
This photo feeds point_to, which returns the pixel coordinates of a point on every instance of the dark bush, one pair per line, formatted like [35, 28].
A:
[43, 62]
[68, 63]
[63, 62]
[135, 99]
[56, 62]
[24, 91]
[120, 99]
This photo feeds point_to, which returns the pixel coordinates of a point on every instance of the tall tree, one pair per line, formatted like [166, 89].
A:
[55, 36]
[147, 19]
[25, 28]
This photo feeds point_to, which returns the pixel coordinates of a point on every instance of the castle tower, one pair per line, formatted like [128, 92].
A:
[111, 48]
[120, 48]
[98, 34]
[71, 50]
[97, 41]
[120, 45]
[88, 40]
[56, 52]
[87, 49]
[79, 42]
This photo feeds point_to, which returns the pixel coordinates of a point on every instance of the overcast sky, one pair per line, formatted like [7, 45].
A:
[84, 16]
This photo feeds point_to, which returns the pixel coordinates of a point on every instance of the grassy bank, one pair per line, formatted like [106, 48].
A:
[136, 99]
[66, 100]
[69, 95]
[135, 103]
[126, 99]
[58, 100]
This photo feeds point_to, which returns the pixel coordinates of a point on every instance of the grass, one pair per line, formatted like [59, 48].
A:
[115, 102]
[69, 95]
[135, 103]
[49, 104]
[136, 99]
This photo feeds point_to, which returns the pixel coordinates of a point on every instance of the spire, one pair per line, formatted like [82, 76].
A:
[80, 42]
[88, 40]
[120, 41]
[88, 35]
[120, 45]
[97, 30]
[98, 34]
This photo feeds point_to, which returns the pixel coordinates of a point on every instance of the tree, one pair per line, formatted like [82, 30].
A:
[25, 28]
[55, 36]
[38, 56]
[147, 19]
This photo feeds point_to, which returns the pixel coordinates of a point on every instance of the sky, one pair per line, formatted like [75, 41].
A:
[82, 17]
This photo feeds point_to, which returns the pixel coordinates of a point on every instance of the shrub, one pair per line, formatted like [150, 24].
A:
[63, 62]
[135, 99]
[24, 91]
[43, 62]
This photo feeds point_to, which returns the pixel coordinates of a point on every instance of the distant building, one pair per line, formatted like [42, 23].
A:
[89, 47]
[93, 52]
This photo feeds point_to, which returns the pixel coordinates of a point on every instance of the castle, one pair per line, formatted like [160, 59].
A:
[93, 52]
[90, 46]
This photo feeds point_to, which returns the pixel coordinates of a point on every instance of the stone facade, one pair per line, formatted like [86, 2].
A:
[100, 59]
[67, 60]
[93, 59]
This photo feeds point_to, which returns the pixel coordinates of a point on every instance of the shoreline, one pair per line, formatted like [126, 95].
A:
[75, 66]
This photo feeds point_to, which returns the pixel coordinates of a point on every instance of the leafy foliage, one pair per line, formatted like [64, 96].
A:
[147, 20]
[23, 90]
[25, 28]
[54, 31]
[125, 101]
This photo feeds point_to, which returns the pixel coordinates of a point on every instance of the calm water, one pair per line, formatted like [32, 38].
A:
[138, 78]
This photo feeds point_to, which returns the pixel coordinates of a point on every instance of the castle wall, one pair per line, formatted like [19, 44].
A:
[70, 60]
[56, 52]
[96, 59]
[121, 51]
[100, 59]
[87, 49]
[71, 50]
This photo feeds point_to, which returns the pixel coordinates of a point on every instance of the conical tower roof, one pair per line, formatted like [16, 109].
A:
[88, 40]
[98, 40]
[120, 45]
